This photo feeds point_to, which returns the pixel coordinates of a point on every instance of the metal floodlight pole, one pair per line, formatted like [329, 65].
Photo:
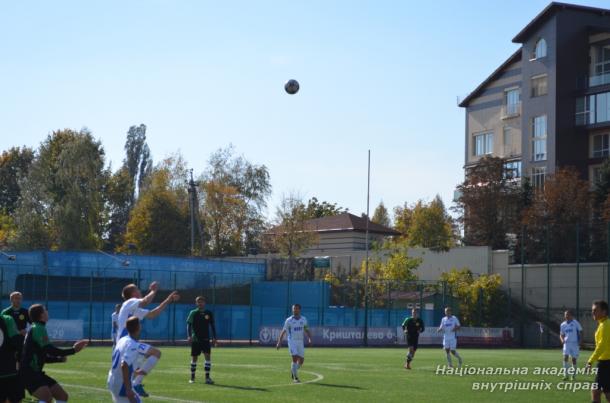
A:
[366, 262]
[124, 262]
[9, 257]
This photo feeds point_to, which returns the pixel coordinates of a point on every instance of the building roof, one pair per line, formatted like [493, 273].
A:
[342, 222]
[549, 11]
[513, 58]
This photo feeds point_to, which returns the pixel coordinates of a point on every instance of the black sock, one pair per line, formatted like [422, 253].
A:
[208, 368]
[193, 369]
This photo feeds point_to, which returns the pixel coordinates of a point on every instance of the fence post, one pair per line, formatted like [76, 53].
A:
[387, 285]
[548, 284]
[174, 315]
[577, 271]
[231, 312]
[90, 306]
[521, 324]
[251, 321]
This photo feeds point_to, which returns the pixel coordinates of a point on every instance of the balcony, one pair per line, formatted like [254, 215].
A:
[598, 79]
[510, 111]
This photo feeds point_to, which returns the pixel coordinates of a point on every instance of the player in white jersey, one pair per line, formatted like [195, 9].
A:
[124, 359]
[295, 326]
[570, 336]
[449, 325]
[134, 306]
[115, 324]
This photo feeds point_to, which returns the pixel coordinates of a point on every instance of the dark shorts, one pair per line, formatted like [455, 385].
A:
[602, 379]
[11, 389]
[198, 347]
[412, 341]
[34, 380]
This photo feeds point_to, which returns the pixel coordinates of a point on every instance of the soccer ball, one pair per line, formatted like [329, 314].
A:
[291, 86]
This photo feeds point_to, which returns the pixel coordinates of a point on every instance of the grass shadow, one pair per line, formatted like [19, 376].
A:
[241, 387]
[332, 385]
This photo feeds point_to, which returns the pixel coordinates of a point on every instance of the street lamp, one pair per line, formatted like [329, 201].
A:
[124, 263]
[12, 258]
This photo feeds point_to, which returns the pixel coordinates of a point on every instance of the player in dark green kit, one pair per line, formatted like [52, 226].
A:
[11, 389]
[38, 350]
[412, 327]
[198, 326]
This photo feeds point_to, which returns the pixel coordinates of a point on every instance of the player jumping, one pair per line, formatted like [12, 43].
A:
[38, 350]
[295, 326]
[134, 306]
[412, 327]
[449, 325]
[570, 336]
[198, 326]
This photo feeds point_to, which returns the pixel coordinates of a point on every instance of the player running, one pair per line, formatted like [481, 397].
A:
[134, 306]
[124, 358]
[449, 325]
[295, 326]
[198, 326]
[37, 351]
[412, 327]
[11, 389]
[114, 318]
[570, 336]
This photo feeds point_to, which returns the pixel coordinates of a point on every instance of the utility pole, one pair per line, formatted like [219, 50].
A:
[366, 262]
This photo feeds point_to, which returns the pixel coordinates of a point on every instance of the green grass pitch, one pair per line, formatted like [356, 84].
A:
[260, 374]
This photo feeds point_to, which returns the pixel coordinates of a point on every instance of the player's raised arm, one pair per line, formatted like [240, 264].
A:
[157, 311]
[152, 291]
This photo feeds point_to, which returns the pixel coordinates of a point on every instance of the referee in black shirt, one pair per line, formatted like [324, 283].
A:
[198, 325]
[412, 327]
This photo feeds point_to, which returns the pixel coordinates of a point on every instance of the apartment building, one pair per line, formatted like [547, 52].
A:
[548, 104]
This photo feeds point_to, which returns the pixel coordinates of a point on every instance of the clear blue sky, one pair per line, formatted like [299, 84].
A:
[382, 75]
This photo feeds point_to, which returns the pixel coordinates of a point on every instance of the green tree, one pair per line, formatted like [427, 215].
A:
[224, 217]
[381, 215]
[431, 226]
[138, 161]
[14, 166]
[316, 209]
[488, 204]
[291, 234]
[481, 299]
[253, 187]
[159, 221]
[63, 204]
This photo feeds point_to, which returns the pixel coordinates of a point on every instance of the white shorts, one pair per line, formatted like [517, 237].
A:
[450, 344]
[296, 349]
[571, 349]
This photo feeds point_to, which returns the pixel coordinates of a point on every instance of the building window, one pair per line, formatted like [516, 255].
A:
[601, 145]
[512, 102]
[537, 177]
[595, 174]
[512, 170]
[585, 110]
[539, 138]
[483, 144]
[539, 85]
[540, 50]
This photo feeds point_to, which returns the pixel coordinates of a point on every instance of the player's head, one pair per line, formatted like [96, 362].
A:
[414, 313]
[133, 327]
[296, 309]
[16, 299]
[448, 311]
[568, 315]
[599, 309]
[38, 313]
[117, 308]
[131, 291]
[200, 301]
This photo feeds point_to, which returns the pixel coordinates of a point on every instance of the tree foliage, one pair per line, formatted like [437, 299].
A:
[159, 219]
[426, 225]
[291, 235]
[481, 299]
[489, 204]
[381, 215]
[316, 209]
[14, 166]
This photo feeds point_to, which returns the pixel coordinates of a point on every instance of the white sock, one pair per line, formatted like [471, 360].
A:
[148, 365]
[294, 369]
